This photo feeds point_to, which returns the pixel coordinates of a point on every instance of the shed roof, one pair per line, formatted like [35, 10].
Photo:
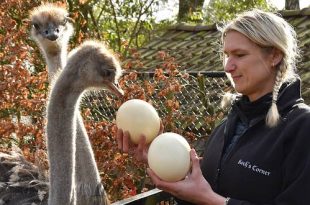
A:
[197, 48]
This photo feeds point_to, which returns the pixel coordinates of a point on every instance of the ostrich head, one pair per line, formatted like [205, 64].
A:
[93, 65]
[51, 26]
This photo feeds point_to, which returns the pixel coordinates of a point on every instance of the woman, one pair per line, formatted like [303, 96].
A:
[260, 153]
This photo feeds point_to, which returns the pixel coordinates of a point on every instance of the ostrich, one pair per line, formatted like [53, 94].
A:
[52, 30]
[90, 65]
[21, 182]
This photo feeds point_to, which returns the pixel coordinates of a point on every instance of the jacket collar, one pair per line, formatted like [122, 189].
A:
[289, 95]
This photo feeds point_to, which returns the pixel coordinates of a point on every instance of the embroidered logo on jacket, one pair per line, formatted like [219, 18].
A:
[253, 167]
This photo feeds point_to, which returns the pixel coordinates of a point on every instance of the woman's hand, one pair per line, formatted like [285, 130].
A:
[127, 146]
[194, 188]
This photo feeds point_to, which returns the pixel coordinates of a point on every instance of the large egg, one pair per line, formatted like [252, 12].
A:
[169, 156]
[138, 117]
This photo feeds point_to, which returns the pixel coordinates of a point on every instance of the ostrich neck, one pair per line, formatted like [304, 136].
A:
[64, 132]
[61, 139]
[56, 57]
[64, 101]
[66, 94]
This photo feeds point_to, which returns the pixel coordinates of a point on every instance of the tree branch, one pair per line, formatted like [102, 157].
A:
[91, 13]
[134, 31]
[119, 43]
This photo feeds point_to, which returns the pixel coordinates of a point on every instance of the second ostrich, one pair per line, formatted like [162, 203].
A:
[51, 29]
[90, 65]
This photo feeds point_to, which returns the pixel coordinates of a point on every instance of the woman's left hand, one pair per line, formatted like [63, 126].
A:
[194, 188]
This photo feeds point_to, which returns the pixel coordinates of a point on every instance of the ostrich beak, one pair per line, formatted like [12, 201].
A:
[52, 33]
[115, 89]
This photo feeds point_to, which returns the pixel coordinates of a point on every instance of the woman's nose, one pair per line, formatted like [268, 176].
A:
[229, 66]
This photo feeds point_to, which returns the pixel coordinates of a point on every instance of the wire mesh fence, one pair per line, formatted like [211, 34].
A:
[198, 102]
[198, 110]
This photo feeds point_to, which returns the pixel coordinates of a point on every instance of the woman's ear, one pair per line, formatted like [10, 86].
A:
[277, 57]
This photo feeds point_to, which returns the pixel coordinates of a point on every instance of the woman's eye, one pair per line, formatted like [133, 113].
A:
[240, 55]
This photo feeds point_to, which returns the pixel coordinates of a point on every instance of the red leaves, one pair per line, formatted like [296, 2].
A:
[22, 92]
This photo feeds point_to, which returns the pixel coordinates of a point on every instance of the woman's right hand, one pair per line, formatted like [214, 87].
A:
[127, 146]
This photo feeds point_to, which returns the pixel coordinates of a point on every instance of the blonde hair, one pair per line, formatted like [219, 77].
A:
[269, 30]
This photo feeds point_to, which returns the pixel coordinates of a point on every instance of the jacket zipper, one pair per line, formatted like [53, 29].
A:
[230, 152]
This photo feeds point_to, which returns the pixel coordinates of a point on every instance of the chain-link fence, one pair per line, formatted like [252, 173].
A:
[198, 102]
[198, 96]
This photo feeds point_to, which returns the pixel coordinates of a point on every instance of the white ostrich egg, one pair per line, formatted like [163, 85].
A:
[138, 117]
[169, 156]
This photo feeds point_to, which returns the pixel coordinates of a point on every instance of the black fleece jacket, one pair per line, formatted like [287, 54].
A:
[262, 165]
[256, 165]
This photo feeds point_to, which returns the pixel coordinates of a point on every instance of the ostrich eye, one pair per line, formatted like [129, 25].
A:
[65, 21]
[107, 73]
[36, 26]
[68, 19]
